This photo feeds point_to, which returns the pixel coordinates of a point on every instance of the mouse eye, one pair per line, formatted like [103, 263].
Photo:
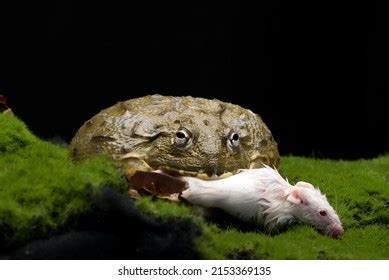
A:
[182, 137]
[323, 213]
[233, 140]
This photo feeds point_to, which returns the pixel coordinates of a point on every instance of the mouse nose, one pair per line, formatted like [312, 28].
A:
[336, 231]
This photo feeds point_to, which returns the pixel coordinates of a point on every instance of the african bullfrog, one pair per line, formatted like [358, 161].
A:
[182, 135]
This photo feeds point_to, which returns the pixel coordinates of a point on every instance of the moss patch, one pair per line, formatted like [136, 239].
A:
[40, 189]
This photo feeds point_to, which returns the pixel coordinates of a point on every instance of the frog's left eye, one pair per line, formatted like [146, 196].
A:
[182, 137]
[233, 140]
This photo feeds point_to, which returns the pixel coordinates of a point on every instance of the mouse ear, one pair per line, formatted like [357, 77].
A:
[304, 185]
[294, 197]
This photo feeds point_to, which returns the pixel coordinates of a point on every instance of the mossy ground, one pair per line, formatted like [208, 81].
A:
[40, 189]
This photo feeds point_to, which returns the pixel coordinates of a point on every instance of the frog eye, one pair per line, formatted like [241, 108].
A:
[233, 140]
[182, 137]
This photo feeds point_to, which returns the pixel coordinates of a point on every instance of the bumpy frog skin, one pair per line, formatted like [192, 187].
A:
[182, 135]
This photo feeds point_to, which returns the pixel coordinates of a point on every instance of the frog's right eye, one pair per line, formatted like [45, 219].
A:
[233, 141]
[182, 137]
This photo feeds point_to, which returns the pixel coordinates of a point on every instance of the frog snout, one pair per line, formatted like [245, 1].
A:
[211, 147]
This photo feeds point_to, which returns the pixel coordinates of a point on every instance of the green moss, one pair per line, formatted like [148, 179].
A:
[40, 189]
[13, 134]
[161, 208]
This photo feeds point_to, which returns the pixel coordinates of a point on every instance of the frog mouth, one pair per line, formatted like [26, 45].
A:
[212, 174]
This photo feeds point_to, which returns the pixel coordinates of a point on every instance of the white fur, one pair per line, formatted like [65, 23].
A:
[264, 197]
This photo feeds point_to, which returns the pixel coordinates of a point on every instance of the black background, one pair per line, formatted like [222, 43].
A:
[317, 73]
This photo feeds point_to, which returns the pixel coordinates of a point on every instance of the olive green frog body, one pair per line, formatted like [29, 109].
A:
[184, 135]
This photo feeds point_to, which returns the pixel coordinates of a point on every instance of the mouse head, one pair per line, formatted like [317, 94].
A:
[310, 206]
